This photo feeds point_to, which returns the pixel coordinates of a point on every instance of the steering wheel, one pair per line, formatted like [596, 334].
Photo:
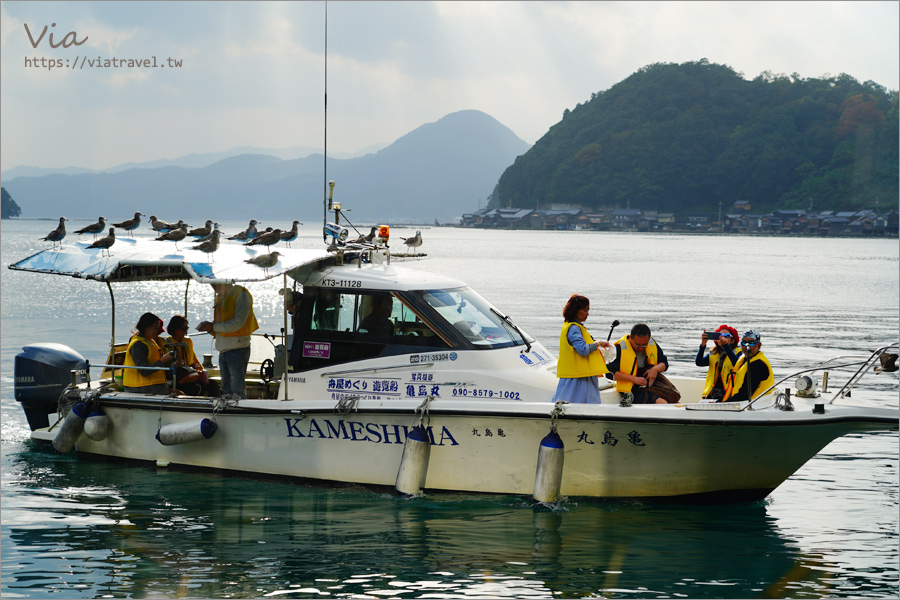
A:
[267, 370]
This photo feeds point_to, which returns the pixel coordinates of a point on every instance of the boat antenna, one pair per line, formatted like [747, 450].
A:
[326, 201]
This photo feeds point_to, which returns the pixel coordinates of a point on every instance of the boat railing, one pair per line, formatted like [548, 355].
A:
[864, 362]
[115, 368]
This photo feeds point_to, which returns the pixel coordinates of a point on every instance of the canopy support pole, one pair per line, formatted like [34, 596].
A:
[284, 334]
[112, 341]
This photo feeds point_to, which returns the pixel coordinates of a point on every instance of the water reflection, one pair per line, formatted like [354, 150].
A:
[139, 532]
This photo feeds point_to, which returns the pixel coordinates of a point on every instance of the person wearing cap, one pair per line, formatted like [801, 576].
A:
[718, 363]
[639, 361]
[143, 351]
[752, 374]
[233, 322]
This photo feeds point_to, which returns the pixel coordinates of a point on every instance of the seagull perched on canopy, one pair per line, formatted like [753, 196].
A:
[162, 226]
[94, 228]
[57, 234]
[105, 243]
[131, 224]
[247, 234]
[266, 261]
[209, 237]
[176, 235]
[414, 241]
[202, 232]
[266, 239]
[210, 245]
[290, 236]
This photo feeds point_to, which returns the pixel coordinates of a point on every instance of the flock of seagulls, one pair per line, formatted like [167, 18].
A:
[206, 238]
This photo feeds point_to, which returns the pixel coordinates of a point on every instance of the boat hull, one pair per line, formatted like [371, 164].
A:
[610, 451]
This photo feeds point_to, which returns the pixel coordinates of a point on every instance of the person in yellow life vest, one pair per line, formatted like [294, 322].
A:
[639, 361]
[718, 363]
[143, 351]
[232, 324]
[580, 360]
[748, 383]
[192, 379]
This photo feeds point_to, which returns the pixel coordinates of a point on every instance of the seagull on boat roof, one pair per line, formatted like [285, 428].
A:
[202, 232]
[247, 234]
[367, 239]
[176, 235]
[414, 241]
[57, 234]
[212, 244]
[209, 237]
[94, 228]
[290, 236]
[163, 227]
[266, 239]
[131, 224]
[105, 243]
[266, 261]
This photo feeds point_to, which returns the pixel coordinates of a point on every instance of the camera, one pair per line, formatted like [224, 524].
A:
[713, 335]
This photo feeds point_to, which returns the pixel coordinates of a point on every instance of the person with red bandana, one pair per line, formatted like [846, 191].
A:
[718, 363]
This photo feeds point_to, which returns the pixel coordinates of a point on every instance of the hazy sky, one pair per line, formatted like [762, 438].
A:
[253, 73]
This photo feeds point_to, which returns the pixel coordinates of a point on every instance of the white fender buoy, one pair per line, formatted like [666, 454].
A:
[97, 425]
[182, 433]
[548, 477]
[71, 428]
[413, 462]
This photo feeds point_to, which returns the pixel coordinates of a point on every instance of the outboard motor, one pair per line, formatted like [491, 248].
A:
[42, 372]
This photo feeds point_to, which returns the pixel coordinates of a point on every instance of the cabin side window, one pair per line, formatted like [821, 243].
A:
[336, 326]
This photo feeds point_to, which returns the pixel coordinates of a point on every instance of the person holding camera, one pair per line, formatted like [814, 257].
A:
[718, 363]
[144, 351]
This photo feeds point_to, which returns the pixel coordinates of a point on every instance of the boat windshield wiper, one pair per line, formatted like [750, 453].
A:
[505, 319]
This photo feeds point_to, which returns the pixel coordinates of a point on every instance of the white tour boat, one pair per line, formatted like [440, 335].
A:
[456, 397]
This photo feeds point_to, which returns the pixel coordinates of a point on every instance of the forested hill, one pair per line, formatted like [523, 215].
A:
[685, 137]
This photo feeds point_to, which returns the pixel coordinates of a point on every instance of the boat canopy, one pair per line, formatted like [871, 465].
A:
[148, 260]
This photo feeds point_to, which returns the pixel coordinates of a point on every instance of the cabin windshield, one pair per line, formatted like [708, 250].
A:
[474, 317]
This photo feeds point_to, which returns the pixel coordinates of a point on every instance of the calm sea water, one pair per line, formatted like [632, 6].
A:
[78, 529]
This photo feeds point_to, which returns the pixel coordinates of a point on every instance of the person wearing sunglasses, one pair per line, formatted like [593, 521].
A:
[639, 362]
[752, 374]
[718, 363]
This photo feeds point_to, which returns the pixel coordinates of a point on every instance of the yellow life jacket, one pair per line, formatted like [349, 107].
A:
[571, 364]
[628, 360]
[136, 377]
[740, 371]
[224, 311]
[717, 361]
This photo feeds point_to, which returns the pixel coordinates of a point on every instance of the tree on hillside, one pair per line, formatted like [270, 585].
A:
[686, 137]
[8, 206]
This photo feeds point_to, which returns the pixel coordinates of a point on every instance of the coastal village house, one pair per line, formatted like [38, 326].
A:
[739, 219]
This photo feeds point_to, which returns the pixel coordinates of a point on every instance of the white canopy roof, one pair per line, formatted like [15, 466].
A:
[142, 259]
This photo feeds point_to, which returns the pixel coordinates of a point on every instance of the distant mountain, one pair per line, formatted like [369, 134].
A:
[8, 206]
[688, 137]
[189, 160]
[439, 170]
